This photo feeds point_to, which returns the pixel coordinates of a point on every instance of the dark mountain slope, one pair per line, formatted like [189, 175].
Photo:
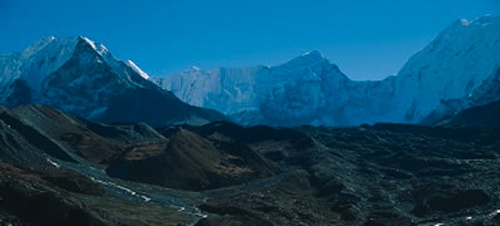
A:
[481, 116]
[82, 78]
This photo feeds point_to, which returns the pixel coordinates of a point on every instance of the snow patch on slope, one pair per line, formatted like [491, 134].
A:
[139, 71]
[98, 47]
[465, 22]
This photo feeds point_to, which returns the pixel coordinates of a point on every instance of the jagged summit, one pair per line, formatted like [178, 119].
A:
[486, 20]
[98, 47]
[47, 55]
[442, 76]
[312, 55]
[438, 80]
[483, 21]
[82, 77]
[244, 92]
[61, 45]
[476, 30]
[304, 60]
[37, 46]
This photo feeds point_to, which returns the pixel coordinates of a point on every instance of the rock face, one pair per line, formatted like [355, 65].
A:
[83, 78]
[457, 70]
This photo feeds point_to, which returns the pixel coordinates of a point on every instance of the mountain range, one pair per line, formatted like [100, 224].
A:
[459, 69]
[88, 139]
[83, 78]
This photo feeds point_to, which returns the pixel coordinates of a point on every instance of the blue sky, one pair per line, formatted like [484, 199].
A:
[367, 39]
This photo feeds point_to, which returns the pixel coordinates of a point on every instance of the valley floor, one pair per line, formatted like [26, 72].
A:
[80, 173]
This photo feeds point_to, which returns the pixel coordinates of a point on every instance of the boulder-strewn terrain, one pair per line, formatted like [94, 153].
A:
[188, 161]
[58, 169]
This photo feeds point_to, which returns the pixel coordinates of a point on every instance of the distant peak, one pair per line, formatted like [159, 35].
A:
[310, 56]
[464, 22]
[486, 19]
[481, 21]
[192, 69]
[462, 28]
[306, 59]
[313, 54]
[36, 46]
[83, 38]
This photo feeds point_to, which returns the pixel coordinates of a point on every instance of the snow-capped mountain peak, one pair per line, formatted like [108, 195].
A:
[90, 42]
[44, 65]
[41, 59]
[464, 22]
[37, 46]
[308, 89]
[462, 53]
[315, 54]
[486, 20]
[81, 77]
[307, 64]
[306, 59]
[486, 23]
[98, 47]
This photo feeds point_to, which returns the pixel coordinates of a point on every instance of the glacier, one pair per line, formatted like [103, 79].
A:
[458, 69]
